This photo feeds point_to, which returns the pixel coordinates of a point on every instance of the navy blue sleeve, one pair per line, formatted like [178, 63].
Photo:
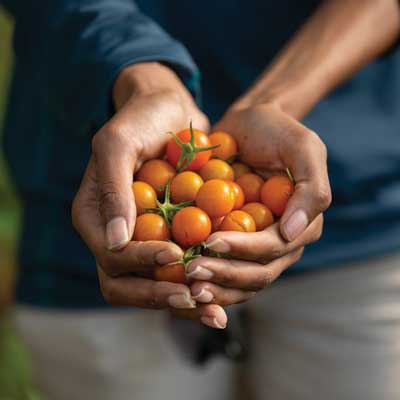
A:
[79, 46]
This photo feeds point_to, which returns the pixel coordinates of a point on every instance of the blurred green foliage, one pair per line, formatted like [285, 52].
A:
[15, 376]
[9, 209]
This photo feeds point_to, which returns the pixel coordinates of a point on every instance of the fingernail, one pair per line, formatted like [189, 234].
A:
[219, 245]
[212, 322]
[295, 225]
[200, 273]
[117, 233]
[168, 255]
[181, 301]
[204, 296]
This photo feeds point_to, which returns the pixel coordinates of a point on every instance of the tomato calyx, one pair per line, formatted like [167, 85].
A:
[166, 209]
[188, 150]
[190, 254]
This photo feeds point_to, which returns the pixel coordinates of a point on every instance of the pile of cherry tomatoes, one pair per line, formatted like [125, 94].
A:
[197, 189]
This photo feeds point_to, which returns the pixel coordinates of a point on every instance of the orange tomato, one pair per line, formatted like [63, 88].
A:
[216, 169]
[190, 226]
[238, 220]
[174, 150]
[276, 192]
[251, 185]
[216, 198]
[174, 273]
[227, 145]
[239, 195]
[145, 196]
[240, 169]
[184, 186]
[215, 223]
[156, 173]
[151, 227]
[260, 213]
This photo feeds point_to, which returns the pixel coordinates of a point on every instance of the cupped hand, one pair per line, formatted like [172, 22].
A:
[150, 101]
[269, 141]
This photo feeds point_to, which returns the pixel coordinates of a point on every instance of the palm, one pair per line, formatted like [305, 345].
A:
[260, 133]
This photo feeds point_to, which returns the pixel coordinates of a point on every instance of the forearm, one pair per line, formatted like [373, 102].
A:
[338, 39]
[147, 78]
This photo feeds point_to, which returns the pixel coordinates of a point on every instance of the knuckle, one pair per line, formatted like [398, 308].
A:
[153, 299]
[314, 140]
[108, 265]
[265, 279]
[275, 252]
[107, 195]
[298, 254]
[259, 283]
[227, 276]
[323, 196]
[75, 214]
[109, 292]
[111, 135]
[98, 142]
[141, 253]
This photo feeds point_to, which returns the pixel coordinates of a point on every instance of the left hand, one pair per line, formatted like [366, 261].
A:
[269, 141]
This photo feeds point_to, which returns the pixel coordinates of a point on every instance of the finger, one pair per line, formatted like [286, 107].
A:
[262, 246]
[306, 157]
[114, 158]
[240, 274]
[212, 315]
[207, 292]
[136, 256]
[144, 293]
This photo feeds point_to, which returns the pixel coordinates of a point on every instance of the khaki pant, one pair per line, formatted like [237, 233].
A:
[333, 334]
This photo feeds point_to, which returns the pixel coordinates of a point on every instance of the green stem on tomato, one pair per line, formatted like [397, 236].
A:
[188, 150]
[166, 209]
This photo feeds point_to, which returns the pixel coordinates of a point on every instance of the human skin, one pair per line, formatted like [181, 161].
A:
[340, 38]
[336, 41]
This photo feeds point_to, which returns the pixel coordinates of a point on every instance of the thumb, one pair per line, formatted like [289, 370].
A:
[307, 160]
[114, 164]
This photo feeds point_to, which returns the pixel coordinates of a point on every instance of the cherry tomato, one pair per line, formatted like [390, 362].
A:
[184, 186]
[216, 169]
[174, 273]
[216, 198]
[275, 193]
[145, 196]
[251, 185]
[190, 226]
[156, 173]
[238, 220]
[215, 223]
[239, 196]
[151, 227]
[227, 149]
[174, 150]
[239, 169]
[260, 213]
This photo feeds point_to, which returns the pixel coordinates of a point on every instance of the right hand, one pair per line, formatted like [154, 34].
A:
[150, 101]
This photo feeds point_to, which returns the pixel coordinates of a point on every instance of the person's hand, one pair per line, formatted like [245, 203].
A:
[270, 141]
[150, 101]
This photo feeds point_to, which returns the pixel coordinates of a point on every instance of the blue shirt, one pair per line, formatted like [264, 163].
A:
[67, 55]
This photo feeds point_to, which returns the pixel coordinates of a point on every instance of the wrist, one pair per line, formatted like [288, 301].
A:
[145, 79]
[293, 95]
